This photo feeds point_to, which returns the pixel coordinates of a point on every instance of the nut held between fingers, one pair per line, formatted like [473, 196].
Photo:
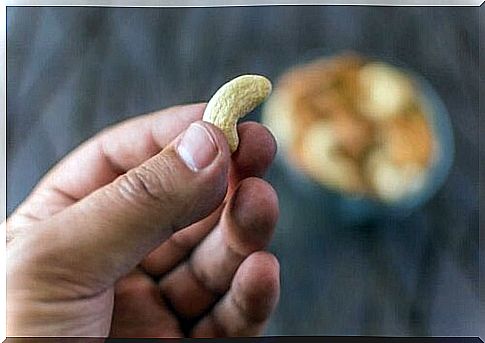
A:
[234, 100]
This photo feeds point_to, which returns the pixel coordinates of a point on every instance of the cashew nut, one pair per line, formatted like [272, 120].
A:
[234, 100]
[386, 91]
[321, 160]
[390, 181]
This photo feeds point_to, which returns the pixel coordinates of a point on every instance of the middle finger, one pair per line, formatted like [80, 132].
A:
[246, 226]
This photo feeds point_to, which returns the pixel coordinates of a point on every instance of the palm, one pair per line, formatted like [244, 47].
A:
[140, 311]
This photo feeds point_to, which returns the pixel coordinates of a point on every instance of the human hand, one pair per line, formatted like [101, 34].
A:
[124, 238]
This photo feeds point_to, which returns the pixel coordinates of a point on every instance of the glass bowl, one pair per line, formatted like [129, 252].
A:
[348, 209]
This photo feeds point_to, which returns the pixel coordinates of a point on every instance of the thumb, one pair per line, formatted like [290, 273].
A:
[110, 231]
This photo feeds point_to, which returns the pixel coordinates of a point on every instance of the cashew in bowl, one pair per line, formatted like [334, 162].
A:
[321, 159]
[387, 90]
[391, 181]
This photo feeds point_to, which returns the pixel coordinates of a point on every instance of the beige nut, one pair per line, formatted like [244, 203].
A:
[386, 91]
[392, 182]
[234, 100]
[322, 161]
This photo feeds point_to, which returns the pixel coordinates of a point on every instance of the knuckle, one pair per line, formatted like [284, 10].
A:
[146, 185]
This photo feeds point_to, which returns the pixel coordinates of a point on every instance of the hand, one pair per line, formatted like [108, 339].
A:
[148, 229]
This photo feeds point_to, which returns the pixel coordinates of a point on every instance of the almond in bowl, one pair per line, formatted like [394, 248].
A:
[354, 125]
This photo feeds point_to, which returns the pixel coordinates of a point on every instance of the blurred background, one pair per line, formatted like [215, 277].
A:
[73, 71]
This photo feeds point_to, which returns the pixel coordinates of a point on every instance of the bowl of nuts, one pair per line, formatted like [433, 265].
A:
[375, 135]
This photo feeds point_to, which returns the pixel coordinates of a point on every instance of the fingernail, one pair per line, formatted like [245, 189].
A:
[197, 148]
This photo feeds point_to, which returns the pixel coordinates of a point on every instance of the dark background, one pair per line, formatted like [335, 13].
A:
[73, 71]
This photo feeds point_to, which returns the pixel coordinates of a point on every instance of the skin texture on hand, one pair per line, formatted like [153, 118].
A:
[138, 234]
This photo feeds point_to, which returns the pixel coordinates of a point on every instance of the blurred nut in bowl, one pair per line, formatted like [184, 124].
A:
[321, 159]
[354, 125]
[353, 133]
[408, 139]
[384, 91]
[390, 181]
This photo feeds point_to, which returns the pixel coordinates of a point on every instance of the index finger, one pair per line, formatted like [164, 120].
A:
[105, 156]
[126, 145]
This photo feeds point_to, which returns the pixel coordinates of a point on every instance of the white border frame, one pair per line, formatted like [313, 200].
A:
[229, 3]
[3, 168]
[142, 3]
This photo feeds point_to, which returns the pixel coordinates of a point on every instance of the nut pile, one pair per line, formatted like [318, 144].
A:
[353, 124]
